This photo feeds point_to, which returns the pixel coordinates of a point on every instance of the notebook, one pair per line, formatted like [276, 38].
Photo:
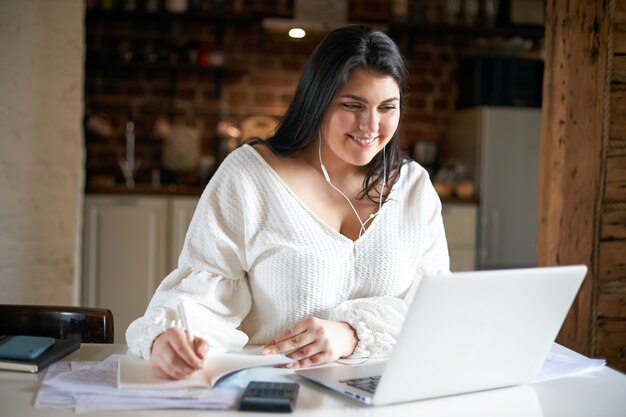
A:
[135, 373]
[60, 349]
[465, 332]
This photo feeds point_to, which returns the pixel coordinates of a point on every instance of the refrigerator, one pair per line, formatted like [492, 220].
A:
[499, 147]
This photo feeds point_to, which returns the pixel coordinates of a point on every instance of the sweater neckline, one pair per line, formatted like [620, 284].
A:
[335, 233]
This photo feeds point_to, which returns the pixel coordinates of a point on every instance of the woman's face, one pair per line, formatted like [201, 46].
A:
[361, 118]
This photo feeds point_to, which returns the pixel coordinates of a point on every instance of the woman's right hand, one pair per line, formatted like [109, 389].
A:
[173, 357]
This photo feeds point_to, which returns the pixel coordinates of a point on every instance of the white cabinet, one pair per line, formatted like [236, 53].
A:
[128, 249]
[180, 213]
[460, 223]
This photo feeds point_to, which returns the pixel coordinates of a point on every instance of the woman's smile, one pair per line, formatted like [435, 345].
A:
[362, 141]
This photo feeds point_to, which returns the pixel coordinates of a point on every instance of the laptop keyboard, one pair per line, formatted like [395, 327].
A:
[367, 384]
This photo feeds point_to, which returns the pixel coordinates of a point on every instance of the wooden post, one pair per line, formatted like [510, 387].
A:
[571, 160]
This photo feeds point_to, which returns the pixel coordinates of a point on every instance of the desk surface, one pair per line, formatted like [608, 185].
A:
[597, 393]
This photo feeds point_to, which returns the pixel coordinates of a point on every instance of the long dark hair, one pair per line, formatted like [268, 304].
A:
[337, 56]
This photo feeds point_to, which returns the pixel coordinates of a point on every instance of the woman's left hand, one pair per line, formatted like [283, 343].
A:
[313, 341]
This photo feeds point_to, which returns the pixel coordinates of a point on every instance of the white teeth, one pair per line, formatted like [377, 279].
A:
[364, 141]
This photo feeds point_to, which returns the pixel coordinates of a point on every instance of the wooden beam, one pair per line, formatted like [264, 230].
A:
[570, 166]
[618, 132]
[619, 38]
[612, 306]
[613, 226]
[620, 11]
[615, 192]
[616, 169]
[611, 335]
[612, 261]
[618, 106]
[619, 69]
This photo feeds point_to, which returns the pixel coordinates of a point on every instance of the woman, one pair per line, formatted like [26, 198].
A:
[312, 242]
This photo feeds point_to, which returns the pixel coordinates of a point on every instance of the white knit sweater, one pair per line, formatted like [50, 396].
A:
[257, 260]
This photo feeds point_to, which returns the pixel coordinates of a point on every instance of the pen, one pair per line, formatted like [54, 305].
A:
[182, 313]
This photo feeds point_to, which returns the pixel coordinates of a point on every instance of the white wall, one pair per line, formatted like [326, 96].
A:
[41, 150]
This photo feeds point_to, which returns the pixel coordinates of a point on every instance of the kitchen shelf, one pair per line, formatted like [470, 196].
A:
[107, 103]
[218, 71]
[167, 22]
[92, 16]
[412, 31]
[161, 66]
[531, 32]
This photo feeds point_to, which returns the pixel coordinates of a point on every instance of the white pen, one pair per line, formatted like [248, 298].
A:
[182, 313]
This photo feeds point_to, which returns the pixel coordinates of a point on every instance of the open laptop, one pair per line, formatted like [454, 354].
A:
[465, 332]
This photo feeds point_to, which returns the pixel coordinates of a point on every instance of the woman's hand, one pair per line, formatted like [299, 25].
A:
[313, 341]
[173, 357]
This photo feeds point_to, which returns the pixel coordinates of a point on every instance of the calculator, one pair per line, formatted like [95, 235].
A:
[269, 396]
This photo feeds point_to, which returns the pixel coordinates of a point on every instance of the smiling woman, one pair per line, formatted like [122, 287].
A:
[312, 241]
[361, 119]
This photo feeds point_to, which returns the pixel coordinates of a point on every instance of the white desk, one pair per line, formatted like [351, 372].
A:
[600, 393]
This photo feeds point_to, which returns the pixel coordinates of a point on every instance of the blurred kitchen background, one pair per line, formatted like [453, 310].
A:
[186, 81]
[171, 87]
[147, 97]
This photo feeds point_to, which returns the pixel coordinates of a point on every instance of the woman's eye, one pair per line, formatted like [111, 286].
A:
[386, 109]
[351, 106]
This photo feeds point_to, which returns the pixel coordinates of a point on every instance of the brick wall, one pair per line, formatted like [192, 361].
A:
[264, 69]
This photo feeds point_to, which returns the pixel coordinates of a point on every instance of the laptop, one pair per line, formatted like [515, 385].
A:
[465, 332]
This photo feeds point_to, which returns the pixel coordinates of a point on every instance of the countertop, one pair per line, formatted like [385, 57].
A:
[145, 189]
[195, 190]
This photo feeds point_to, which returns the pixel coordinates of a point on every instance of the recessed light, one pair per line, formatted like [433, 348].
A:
[297, 33]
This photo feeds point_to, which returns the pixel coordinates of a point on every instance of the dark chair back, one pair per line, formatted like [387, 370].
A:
[89, 325]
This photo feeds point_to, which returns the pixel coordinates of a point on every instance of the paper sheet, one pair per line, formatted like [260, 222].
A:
[562, 362]
[87, 387]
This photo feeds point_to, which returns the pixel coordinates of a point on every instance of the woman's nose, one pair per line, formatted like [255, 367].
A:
[368, 121]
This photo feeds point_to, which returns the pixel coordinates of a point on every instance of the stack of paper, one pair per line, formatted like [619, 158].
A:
[90, 387]
[562, 362]
[96, 386]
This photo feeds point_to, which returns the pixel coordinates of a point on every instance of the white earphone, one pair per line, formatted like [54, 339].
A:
[382, 190]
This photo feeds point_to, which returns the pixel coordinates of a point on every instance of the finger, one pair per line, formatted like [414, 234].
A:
[165, 361]
[170, 374]
[305, 351]
[158, 372]
[179, 343]
[316, 359]
[171, 362]
[201, 347]
[292, 343]
[168, 365]
[291, 338]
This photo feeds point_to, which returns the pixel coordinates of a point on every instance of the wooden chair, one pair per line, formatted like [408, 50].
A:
[89, 325]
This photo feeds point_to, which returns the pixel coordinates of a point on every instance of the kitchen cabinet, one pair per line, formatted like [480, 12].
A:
[460, 224]
[129, 246]
[180, 213]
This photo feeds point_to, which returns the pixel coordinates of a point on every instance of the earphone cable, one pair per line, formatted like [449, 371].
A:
[380, 200]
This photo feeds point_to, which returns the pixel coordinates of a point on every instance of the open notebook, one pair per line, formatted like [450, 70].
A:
[135, 373]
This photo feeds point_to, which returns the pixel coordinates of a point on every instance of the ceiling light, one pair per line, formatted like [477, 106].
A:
[297, 33]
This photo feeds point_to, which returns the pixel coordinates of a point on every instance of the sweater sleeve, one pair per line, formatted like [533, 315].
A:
[211, 276]
[378, 320]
